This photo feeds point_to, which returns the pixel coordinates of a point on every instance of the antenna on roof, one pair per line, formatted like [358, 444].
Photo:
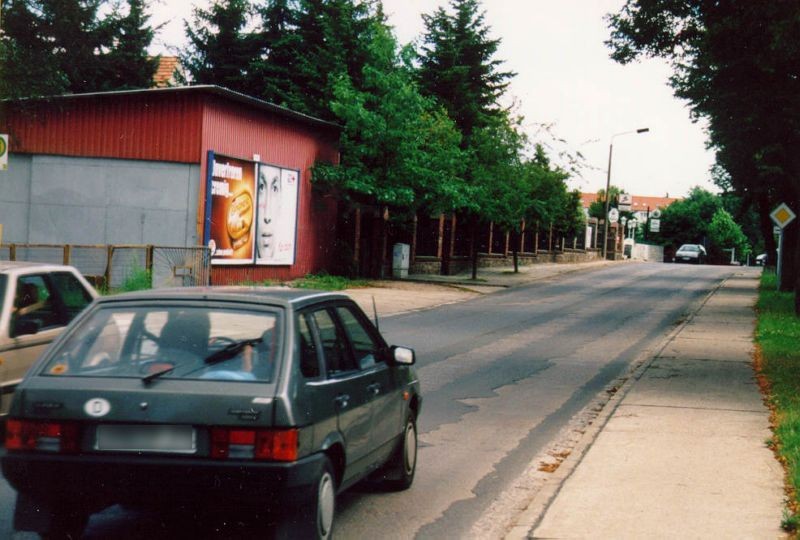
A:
[375, 314]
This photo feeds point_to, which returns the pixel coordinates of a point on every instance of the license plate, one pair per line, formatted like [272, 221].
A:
[145, 438]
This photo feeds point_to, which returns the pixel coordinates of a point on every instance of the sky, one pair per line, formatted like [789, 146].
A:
[564, 80]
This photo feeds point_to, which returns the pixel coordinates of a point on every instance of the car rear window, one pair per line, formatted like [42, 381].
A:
[688, 247]
[176, 342]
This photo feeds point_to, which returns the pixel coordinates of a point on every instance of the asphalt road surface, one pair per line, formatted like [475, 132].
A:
[504, 378]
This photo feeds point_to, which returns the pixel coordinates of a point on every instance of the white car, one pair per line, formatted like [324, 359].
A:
[691, 253]
[36, 302]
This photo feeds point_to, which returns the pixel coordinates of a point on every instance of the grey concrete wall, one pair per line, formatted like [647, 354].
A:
[646, 252]
[56, 199]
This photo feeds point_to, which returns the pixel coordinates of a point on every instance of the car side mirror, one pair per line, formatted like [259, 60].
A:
[403, 356]
[26, 327]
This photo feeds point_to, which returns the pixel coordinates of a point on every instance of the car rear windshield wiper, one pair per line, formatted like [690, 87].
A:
[231, 350]
[158, 373]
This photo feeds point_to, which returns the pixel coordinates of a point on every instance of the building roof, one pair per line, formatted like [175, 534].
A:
[164, 76]
[641, 203]
[200, 88]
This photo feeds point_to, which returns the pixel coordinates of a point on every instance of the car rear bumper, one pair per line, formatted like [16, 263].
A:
[102, 480]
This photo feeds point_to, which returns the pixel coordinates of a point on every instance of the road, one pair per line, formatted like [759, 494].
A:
[508, 379]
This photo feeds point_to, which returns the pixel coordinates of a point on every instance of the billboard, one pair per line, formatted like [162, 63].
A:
[230, 210]
[276, 229]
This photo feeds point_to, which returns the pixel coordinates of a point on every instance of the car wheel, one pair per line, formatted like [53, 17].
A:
[399, 472]
[314, 520]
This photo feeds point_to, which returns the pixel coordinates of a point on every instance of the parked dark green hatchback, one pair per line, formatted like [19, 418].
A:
[269, 399]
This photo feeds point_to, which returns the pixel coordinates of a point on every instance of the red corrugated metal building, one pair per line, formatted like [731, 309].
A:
[183, 125]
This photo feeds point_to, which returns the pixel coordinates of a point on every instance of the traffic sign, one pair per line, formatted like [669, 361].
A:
[3, 152]
[655, 213]
[655, 225]
[624, 202]
[782, 215]
[613, 215]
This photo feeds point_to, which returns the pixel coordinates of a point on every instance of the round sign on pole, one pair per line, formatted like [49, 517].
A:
[613, 215]
[655, 213]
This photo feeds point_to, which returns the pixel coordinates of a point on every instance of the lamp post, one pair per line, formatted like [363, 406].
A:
[608, 185]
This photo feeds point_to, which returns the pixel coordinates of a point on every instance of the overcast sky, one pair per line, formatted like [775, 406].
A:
[565, 79]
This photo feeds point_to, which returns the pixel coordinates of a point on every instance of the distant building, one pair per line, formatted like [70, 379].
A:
[169, 72]
[641, 206]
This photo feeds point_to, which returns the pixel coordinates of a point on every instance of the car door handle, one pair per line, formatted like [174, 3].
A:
[342, 401]
[374, 388]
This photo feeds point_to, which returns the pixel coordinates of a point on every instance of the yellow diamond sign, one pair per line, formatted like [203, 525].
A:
[782, 215]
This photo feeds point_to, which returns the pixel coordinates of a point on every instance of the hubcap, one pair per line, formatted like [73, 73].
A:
[411, 448]
[326, 498]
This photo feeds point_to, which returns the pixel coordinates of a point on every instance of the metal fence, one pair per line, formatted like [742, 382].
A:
[115, 266]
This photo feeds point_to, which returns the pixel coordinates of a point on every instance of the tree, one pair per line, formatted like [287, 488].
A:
[220, 49]
[397, 147]
[49, 47]
[738, 65]
[273, 69]
[457, 65]
[458, 68]
[334, 38]
[127, 63]
[724, 234]
[686, 221]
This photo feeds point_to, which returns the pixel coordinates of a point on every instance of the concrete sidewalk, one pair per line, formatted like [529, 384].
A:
[680, 451]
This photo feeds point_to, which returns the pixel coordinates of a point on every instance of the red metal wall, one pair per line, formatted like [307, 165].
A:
[159, 127]
[234, 130]
[182, 126]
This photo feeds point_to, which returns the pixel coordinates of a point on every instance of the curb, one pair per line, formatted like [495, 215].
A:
[534, 513]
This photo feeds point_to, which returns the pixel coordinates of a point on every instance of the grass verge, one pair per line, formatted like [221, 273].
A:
[326, 282]
[778, 362]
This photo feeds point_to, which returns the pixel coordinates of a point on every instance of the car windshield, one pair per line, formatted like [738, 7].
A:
[689, 247]
[176, 342]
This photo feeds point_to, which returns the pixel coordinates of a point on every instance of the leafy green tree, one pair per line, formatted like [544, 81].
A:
[457, 67]
[737, 65]
[724, 234]
[221, 48]
[686, 221]
[397, 147]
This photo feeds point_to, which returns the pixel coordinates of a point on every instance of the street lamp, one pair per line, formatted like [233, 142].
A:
[608, 184]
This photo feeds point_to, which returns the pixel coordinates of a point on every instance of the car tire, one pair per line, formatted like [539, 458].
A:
[314, 520]
[401, 467]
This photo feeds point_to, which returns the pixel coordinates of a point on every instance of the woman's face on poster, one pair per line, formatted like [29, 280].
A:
[269, 194]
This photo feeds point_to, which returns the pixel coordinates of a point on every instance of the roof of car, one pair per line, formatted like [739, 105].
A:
[271, 295]
[5, 266]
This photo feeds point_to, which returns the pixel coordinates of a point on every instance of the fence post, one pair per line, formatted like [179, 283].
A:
[67, 253]
[109, 257]
[12, 252]
[148, 259]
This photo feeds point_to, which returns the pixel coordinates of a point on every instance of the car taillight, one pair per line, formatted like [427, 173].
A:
[58, 437]
[264, 444]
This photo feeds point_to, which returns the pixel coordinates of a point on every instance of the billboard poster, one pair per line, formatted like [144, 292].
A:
[232, 210]
[276, 229]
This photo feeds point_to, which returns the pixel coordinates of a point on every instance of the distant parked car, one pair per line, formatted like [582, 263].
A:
[248, 400]
[761, 260]
[691, 253]
[36, 303]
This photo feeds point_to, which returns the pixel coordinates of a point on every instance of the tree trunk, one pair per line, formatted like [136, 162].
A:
[791, 242]
[765, 223]
[515, 249]
[473, 245]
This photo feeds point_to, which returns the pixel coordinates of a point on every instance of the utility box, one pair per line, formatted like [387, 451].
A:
[401, 254]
